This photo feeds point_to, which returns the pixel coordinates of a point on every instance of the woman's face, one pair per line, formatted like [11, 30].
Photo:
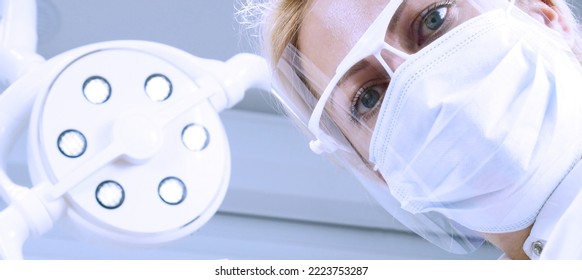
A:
[332, 27]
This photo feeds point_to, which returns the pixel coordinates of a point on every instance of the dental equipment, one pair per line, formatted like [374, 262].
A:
[124, 137]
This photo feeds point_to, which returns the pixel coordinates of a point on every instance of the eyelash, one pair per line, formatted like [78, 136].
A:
[356, 99]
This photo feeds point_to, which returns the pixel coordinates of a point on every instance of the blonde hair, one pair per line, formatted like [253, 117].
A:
[277, 22]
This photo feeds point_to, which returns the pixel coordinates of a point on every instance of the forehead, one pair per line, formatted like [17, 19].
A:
[331, 27]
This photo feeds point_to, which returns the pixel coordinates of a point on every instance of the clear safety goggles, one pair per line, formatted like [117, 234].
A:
[340, 109]
[354, 94]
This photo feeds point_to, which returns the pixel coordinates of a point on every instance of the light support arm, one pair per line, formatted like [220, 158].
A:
[240, 73]
[28, 213]
[18, 39]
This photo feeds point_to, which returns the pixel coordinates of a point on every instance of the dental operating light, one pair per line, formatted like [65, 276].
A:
[124, 137]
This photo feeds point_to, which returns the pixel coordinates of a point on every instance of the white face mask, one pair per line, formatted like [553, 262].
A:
[482, 125]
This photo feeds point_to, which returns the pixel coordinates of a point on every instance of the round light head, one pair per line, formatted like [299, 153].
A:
[195, 137]
[72, 143]
[158, 87]
[97, 90]
[172, 190]
[110, 194]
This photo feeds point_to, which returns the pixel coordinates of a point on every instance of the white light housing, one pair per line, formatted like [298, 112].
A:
[136, 169]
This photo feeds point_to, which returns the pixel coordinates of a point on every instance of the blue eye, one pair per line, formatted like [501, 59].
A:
[369, 98]
[435, 19]
[366, 101]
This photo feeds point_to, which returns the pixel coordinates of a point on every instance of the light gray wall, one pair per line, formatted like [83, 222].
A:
[202, 27]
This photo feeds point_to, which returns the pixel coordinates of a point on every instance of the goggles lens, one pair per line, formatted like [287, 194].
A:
[353, 96]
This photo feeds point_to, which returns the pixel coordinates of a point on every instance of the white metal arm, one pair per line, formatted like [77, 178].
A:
[18, 39]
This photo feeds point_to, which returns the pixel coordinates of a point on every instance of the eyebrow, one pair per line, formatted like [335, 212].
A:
[361, 65]
[397, 15]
